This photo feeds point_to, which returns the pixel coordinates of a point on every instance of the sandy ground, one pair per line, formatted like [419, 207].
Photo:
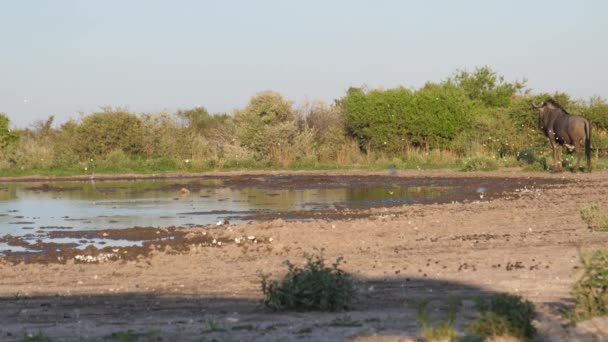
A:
[527, 242]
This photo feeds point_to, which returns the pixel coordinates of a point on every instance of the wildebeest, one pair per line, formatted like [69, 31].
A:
[564, 129]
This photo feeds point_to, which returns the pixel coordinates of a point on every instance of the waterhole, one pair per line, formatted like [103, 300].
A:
[32, 210]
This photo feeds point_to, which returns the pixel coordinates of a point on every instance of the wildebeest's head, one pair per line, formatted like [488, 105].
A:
[547, 108]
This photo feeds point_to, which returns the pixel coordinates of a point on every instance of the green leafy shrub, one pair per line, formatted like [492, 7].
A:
[591, 290]
[259, 120]
[109, 130]
[486, 86]
[315, 287]
[441, 112]
[377, 118]
[597, 113]
[504, 315]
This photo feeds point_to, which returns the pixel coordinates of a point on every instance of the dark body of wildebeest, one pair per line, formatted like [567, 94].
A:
[564, 129]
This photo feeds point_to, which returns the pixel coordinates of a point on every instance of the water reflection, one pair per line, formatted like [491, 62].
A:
[159, 203]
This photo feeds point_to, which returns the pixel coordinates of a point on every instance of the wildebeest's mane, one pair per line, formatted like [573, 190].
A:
[555, 104]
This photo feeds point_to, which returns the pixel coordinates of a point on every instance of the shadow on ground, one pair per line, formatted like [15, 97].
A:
[386, 309]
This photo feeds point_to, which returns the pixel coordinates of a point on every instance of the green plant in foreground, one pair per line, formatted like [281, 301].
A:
[132, 336]
[315, 287]
[591, 290]
[39, 337]
[443, 331]
[504, 315]
[595, 217]
[345, 321]
[215, 327]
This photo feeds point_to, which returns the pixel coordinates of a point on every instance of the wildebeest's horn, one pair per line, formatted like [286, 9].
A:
[537, 106]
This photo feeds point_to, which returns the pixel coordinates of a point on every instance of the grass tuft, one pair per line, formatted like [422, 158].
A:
[595, 217]
[591, 290]
[504, 315]
[444, 330]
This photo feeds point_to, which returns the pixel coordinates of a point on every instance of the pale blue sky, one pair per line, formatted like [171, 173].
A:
[62, 57]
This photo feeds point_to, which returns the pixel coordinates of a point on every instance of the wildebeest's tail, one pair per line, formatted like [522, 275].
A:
[588, 144]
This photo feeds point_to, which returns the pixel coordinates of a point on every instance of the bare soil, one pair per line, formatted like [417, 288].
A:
[202, 283]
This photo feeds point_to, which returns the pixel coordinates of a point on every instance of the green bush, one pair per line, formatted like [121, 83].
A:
[504, 315]
[266, 114]
[486, 86]
[591, 290]
[377, 118]
[390, 120]
[441, 112]
[110, 130]
[597, 113]
[315, 287]
[8, 138]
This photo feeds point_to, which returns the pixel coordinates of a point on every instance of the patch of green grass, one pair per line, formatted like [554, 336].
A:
[595, 217]
[248, 327]
[444, 330]
[302, 331]
[315, 287]
[39, 337]
[480, 164]
[345, 321]
[504, 315]
[214, 327]
[133, 336]
[591, 290]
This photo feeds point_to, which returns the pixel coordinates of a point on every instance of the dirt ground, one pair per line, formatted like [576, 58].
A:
[205, 285]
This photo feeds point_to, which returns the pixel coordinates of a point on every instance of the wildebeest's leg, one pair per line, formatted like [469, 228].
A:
[559, 151]
[578, 147]
[557, 159]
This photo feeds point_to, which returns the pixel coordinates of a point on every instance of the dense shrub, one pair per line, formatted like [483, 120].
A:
[377, 119]
[486, 86]
[440, 113]
[315, 287]
[597, 113]
[106, 131]
[266, 113]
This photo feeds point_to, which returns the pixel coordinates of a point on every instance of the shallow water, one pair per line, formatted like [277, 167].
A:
[32, 210]
[29, 207]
